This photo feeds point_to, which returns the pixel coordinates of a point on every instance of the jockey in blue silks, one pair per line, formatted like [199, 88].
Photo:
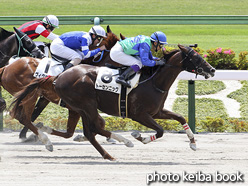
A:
[136, 52]
[74, 45]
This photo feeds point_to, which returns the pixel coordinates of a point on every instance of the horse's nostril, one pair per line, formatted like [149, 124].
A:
[212, 70]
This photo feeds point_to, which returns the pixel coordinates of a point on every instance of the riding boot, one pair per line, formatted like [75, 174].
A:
[122, 79]
[72, 63]
[28, 44]
[69, 65]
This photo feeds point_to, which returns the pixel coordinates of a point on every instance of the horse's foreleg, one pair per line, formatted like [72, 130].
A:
[71, 125]
[91, 137]
[99, 129]
[120, 138]
[166, 114]
[149, 122]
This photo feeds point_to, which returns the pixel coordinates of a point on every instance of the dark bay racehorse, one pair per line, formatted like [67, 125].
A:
[9, 46]
[145, 103]
[15, 76]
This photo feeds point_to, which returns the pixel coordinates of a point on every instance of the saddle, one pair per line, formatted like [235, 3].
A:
[106, 81]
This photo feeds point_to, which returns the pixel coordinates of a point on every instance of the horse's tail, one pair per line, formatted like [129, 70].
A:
[28, 93]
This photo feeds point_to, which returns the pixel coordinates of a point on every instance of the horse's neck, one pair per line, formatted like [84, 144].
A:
[8, 48]
[166, 77]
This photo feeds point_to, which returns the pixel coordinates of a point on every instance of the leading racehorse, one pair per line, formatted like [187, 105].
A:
[145, 103]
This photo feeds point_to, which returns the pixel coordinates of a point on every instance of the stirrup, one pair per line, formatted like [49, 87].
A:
[123, 82]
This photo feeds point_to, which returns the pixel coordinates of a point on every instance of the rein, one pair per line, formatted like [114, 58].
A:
[169, 66]
[100, 56]
[21, 45]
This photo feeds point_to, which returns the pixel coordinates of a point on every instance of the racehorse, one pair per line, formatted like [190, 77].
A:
[10, 46]
[15, 76]
[76, 87]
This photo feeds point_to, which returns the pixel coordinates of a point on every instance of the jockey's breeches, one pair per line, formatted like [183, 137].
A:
[117, 54]
[58, 48]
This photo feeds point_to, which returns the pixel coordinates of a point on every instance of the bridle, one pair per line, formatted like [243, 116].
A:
[188, 56]
[197, 63]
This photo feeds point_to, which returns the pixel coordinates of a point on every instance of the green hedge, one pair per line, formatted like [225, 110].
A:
[219, 58]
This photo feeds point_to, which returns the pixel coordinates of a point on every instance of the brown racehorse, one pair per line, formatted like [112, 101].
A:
[145, 103]
[15, 76]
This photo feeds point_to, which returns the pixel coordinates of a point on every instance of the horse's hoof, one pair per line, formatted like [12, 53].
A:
[111, 141]
[192, 146]
[31, 138]
[129, 144]
[49, 148]
[136, 134]
[80, 138]
[108, 157]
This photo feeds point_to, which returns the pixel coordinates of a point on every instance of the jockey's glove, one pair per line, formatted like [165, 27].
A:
[160, 63]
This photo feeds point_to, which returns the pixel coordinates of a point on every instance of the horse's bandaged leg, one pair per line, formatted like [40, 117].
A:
[120, 138]
[188, 131]
[44, 139]
[149, 139]
[43, 128]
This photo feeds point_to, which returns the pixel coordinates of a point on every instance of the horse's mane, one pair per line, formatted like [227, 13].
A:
[4, 34]
[169, 54]
[148, 71]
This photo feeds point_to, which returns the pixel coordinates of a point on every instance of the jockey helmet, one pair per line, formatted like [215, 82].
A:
[51, 20]
[98, 31]
[159, 37]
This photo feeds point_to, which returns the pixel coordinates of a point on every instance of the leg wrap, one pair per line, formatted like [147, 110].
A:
[149, 139]
[188, 131]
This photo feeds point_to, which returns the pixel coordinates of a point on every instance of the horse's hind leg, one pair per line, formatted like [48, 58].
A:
[40, 106]
[166, 114]
[23, 115]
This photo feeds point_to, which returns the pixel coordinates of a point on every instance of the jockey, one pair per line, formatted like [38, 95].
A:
[74, 45]
[135, 52]
[45, 27]
[33, 29]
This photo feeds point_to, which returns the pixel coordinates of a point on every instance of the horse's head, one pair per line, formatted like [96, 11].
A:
[193, 62]
[110, 40]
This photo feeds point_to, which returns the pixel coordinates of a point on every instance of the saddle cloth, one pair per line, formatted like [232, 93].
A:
[106, 80]
[48, 67]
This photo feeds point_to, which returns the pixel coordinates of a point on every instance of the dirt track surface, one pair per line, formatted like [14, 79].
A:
[74, 163]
